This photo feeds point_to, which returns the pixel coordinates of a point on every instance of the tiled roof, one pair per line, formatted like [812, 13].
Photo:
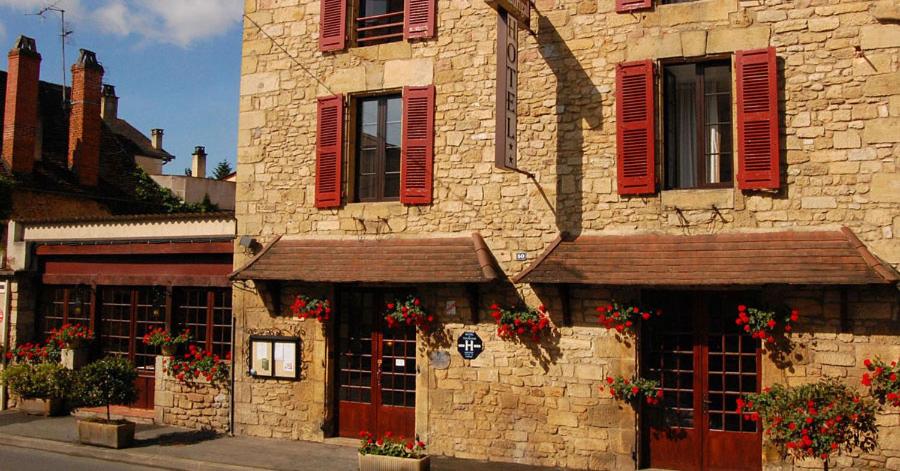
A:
[426, 260]
[790, 257]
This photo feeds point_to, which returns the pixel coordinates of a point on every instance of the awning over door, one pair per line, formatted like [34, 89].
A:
[424, 260]
[790, 257]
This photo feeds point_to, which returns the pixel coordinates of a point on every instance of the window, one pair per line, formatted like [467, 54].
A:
[698, 125]
[64, 305]
[379, 21]
[206, 313]
[379, 121]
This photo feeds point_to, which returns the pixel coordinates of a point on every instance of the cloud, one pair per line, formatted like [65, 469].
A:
[178, 22]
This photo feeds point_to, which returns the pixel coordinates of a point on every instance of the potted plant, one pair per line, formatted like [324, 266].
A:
[41, 387]
[521, 322]
[167, 343]
[623, 318]
[305, 307]
[72, 339]
[767, 325]
[198, 363]
[104, 382]
[408, 312]
[390, 453]
[633, 390]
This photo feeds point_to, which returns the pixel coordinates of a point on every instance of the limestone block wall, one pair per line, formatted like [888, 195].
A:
[197, 405]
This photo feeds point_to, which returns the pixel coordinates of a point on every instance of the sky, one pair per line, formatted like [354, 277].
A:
[175, 63]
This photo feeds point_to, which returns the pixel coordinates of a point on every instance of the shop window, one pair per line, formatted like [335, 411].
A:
[64, 305]
[379, 21]
[378, 131]
[207, 314]
[697, 124]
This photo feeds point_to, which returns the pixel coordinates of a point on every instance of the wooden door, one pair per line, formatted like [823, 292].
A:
[376, 368]
[703, 363]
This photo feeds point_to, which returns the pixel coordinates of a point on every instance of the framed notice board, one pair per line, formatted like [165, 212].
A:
[274, 357]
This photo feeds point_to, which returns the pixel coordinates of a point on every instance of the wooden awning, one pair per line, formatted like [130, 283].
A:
[425, 260]
[789, 257]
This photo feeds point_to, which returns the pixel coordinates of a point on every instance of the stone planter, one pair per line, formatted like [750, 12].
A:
[44, 407]
[74, 358]
[393, 463]
[118, 434]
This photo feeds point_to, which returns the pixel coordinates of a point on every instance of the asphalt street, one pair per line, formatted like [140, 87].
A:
[24, 459]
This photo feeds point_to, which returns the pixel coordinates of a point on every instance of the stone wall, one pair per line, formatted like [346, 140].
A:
[196, 405]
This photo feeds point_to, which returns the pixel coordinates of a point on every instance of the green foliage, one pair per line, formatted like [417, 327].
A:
[107, 381]
[223, 170]
[813, 420]
[154, 195]
[389, 445]
[38, 380]
[633, 390]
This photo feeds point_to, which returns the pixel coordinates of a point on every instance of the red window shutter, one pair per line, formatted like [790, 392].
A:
[757, 119]
[635, 128]
[629, 5]
[332, 25]
[417, 154]
[418, 19]
[329, 151]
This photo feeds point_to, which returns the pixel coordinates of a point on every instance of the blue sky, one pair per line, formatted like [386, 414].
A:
[175, 63]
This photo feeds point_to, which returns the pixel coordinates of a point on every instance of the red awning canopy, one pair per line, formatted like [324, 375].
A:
[788, 257]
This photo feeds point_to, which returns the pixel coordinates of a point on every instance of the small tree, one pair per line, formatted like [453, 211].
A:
[223, 170]
[107, 381]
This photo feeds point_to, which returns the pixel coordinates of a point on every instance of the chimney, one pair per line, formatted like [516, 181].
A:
[109, 104]
[156, 136]
[198, 163]
[84, 119]
[20, 119]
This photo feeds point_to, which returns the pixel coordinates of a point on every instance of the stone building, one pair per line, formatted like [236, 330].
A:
[684, 155]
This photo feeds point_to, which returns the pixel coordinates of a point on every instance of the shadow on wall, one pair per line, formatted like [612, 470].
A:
[578, 104]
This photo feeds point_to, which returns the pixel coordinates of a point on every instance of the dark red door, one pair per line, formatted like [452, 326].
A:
[377, 368]
[703, 363]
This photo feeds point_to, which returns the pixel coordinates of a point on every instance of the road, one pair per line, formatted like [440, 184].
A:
[24, 459]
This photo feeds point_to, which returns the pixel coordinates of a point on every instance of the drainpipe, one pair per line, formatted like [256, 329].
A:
[233, 358]
[5, 326]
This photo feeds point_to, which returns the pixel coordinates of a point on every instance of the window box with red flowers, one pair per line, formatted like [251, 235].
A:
[521, 323]
[32, 353]
[883, 381]
[408, 312]
[163, 339]
[72, 339]
[305, 307]
[197, 365]
[817, 420]
[390, 453]
[624, 319]
[635, 390]
[766, 325]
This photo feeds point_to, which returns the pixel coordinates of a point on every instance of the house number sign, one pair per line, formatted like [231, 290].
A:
[469, 345]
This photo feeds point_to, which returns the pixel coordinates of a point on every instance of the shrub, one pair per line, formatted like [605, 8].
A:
[38, 381]
[107, 381]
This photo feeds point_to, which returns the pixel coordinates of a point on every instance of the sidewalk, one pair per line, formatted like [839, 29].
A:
[182, 449]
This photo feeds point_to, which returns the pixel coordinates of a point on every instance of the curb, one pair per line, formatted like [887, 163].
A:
[121, 456]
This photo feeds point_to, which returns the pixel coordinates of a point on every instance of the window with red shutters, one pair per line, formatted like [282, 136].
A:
[419, 19]
[635, 161]
[418, 145]
[757, 118]
[332, 25]
[329, 151]
[629, 5]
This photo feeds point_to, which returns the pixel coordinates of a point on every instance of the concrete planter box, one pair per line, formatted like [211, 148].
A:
[74, 358]
[45, 407]
[393, 463]
[110, 435]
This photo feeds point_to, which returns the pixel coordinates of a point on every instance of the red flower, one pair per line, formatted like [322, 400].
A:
[742, 308]
[866, 381]
[771, 323]
[634, 390]
[610, 380]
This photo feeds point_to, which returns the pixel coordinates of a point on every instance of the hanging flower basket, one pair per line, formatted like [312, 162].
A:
[163, 339]
[883, 381]
[305, 307]
[521, 323]
[635, 390]
[766, 325]
[408, 312]
[813, 420]
[624, 318]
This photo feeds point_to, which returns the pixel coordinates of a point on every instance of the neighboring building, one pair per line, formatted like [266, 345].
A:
[197, 187]
[686, 155]
[83, 239]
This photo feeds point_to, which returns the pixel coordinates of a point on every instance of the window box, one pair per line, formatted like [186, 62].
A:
[393, 463]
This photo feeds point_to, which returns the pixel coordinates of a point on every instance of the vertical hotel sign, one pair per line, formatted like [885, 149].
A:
[511, 14]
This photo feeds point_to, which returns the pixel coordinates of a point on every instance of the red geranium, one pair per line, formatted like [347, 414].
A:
[764, 325]
[634, 390]
[623, 318]
[408, 312]
[198, 362]
[521, 322]
[883, 381]
[305, 307]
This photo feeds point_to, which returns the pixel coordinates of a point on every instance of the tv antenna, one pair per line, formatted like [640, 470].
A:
[63, 35]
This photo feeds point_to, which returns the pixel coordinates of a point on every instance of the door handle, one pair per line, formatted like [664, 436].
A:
[378, 371]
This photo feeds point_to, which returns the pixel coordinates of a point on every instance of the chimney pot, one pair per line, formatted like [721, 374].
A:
[109, 103]
[156, 138]
[85, 119]
[20, 120]
[198, 163]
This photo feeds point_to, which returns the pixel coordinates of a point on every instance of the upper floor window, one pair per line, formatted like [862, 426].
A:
[379, 121]
[697, 124]
[379, 21]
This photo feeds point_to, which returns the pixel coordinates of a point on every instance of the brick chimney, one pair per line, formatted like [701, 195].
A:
[109, 104]
[20, 119]
[198, 162]
[84, 119]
